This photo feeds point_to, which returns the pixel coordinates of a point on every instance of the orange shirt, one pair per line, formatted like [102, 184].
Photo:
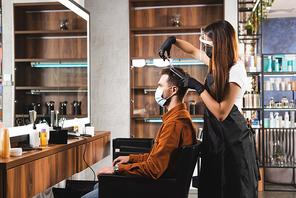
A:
[176, 131]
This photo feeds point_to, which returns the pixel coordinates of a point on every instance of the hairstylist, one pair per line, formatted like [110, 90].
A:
[228, 167]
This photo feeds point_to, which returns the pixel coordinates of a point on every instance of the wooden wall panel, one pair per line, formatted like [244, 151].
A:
[162, 17]
[95, 151]
[148, 46]
[50, 77]
[149, 130]
[146, 130]
[147, 102]
[22, 177]
[52, 48]
[48, 21]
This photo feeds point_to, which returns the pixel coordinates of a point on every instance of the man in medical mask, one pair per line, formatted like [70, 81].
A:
[176, 131]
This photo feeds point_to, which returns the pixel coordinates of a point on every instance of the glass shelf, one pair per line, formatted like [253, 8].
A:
[281, 128]
[253, 73]
[280, 90]
[279, 73]
[252, 109]
[279, 109]
[249, 37]
[285, 165]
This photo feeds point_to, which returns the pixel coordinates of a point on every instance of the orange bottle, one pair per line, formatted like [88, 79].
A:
[5, 143]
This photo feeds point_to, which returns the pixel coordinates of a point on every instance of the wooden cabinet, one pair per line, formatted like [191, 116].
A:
[50, 64]
[150, 24]
[36, 171]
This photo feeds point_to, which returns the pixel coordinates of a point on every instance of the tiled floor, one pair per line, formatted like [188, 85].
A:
[264, 194]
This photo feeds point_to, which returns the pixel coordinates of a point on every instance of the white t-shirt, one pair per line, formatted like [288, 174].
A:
[238, 75]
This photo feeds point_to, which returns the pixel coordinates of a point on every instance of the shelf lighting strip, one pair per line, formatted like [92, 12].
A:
[59, 64]
[55, 37]
[195, 120]
[37, 11]
[165, 34]
[39, 91]
[161, 63]
[177, 6]
[153, 90]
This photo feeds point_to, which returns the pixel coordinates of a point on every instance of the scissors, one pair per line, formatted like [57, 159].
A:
[173, 69]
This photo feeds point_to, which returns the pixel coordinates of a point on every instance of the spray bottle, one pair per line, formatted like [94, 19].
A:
[271, 120]
[277, 121]
[286, 119]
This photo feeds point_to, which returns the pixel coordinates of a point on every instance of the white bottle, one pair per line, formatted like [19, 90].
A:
[81, 126]
[271, 120]
[34, 137]
[292, 119]
[277, 121]
[286, 119]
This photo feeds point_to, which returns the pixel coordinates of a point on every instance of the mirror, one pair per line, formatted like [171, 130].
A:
[52, 62]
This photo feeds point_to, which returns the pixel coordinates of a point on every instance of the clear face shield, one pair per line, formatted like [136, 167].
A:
[206, 45]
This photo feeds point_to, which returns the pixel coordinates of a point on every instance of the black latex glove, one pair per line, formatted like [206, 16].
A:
[166, 46]
[192, 83]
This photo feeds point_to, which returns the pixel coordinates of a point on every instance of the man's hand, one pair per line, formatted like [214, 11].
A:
[106, 170]
[121, 160]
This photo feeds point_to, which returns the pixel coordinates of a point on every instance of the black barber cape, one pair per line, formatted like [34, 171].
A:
[229, 166]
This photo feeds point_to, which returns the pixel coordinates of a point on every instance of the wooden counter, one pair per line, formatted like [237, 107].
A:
[36, 171]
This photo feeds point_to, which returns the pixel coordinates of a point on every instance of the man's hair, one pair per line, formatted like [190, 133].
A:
[174, 80]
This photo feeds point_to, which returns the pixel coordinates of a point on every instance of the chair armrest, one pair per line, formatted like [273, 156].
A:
[122, 186]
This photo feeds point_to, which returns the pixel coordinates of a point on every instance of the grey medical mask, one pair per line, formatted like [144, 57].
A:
[158, 96]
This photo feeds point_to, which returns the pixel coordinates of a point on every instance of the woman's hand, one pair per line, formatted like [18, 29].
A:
[166, 47]
[121, 160]
[192, 83]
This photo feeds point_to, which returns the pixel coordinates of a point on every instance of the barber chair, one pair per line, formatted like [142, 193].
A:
[177, 187]
[121, 186]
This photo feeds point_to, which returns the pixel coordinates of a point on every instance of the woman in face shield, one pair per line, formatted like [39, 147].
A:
[229, 166]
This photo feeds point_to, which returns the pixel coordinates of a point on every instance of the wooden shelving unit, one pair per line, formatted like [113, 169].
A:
[48, 88]
[38, 38]
[150, 25]
[52, 33]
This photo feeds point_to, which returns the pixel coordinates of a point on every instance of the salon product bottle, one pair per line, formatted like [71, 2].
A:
[254, 97]
[246, 99]
[277, 122]
[291, 105]
[34, 137]
[286, 119]
[43, 137]
[5, 144]
[1, 128]
[271, 120]
[192, 107]
[251, 99]
[269, 67]
[292, 114]
[289, 66]
[271, 103]
[81, 126]
[276, 65]
[258, 100]
[75, 128]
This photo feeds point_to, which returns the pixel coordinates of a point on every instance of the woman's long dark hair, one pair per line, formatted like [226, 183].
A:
[224, 55]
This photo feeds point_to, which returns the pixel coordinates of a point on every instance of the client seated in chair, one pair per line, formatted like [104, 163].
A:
[176, 131]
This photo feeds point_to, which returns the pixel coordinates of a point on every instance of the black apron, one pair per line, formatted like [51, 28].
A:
[229, 166]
